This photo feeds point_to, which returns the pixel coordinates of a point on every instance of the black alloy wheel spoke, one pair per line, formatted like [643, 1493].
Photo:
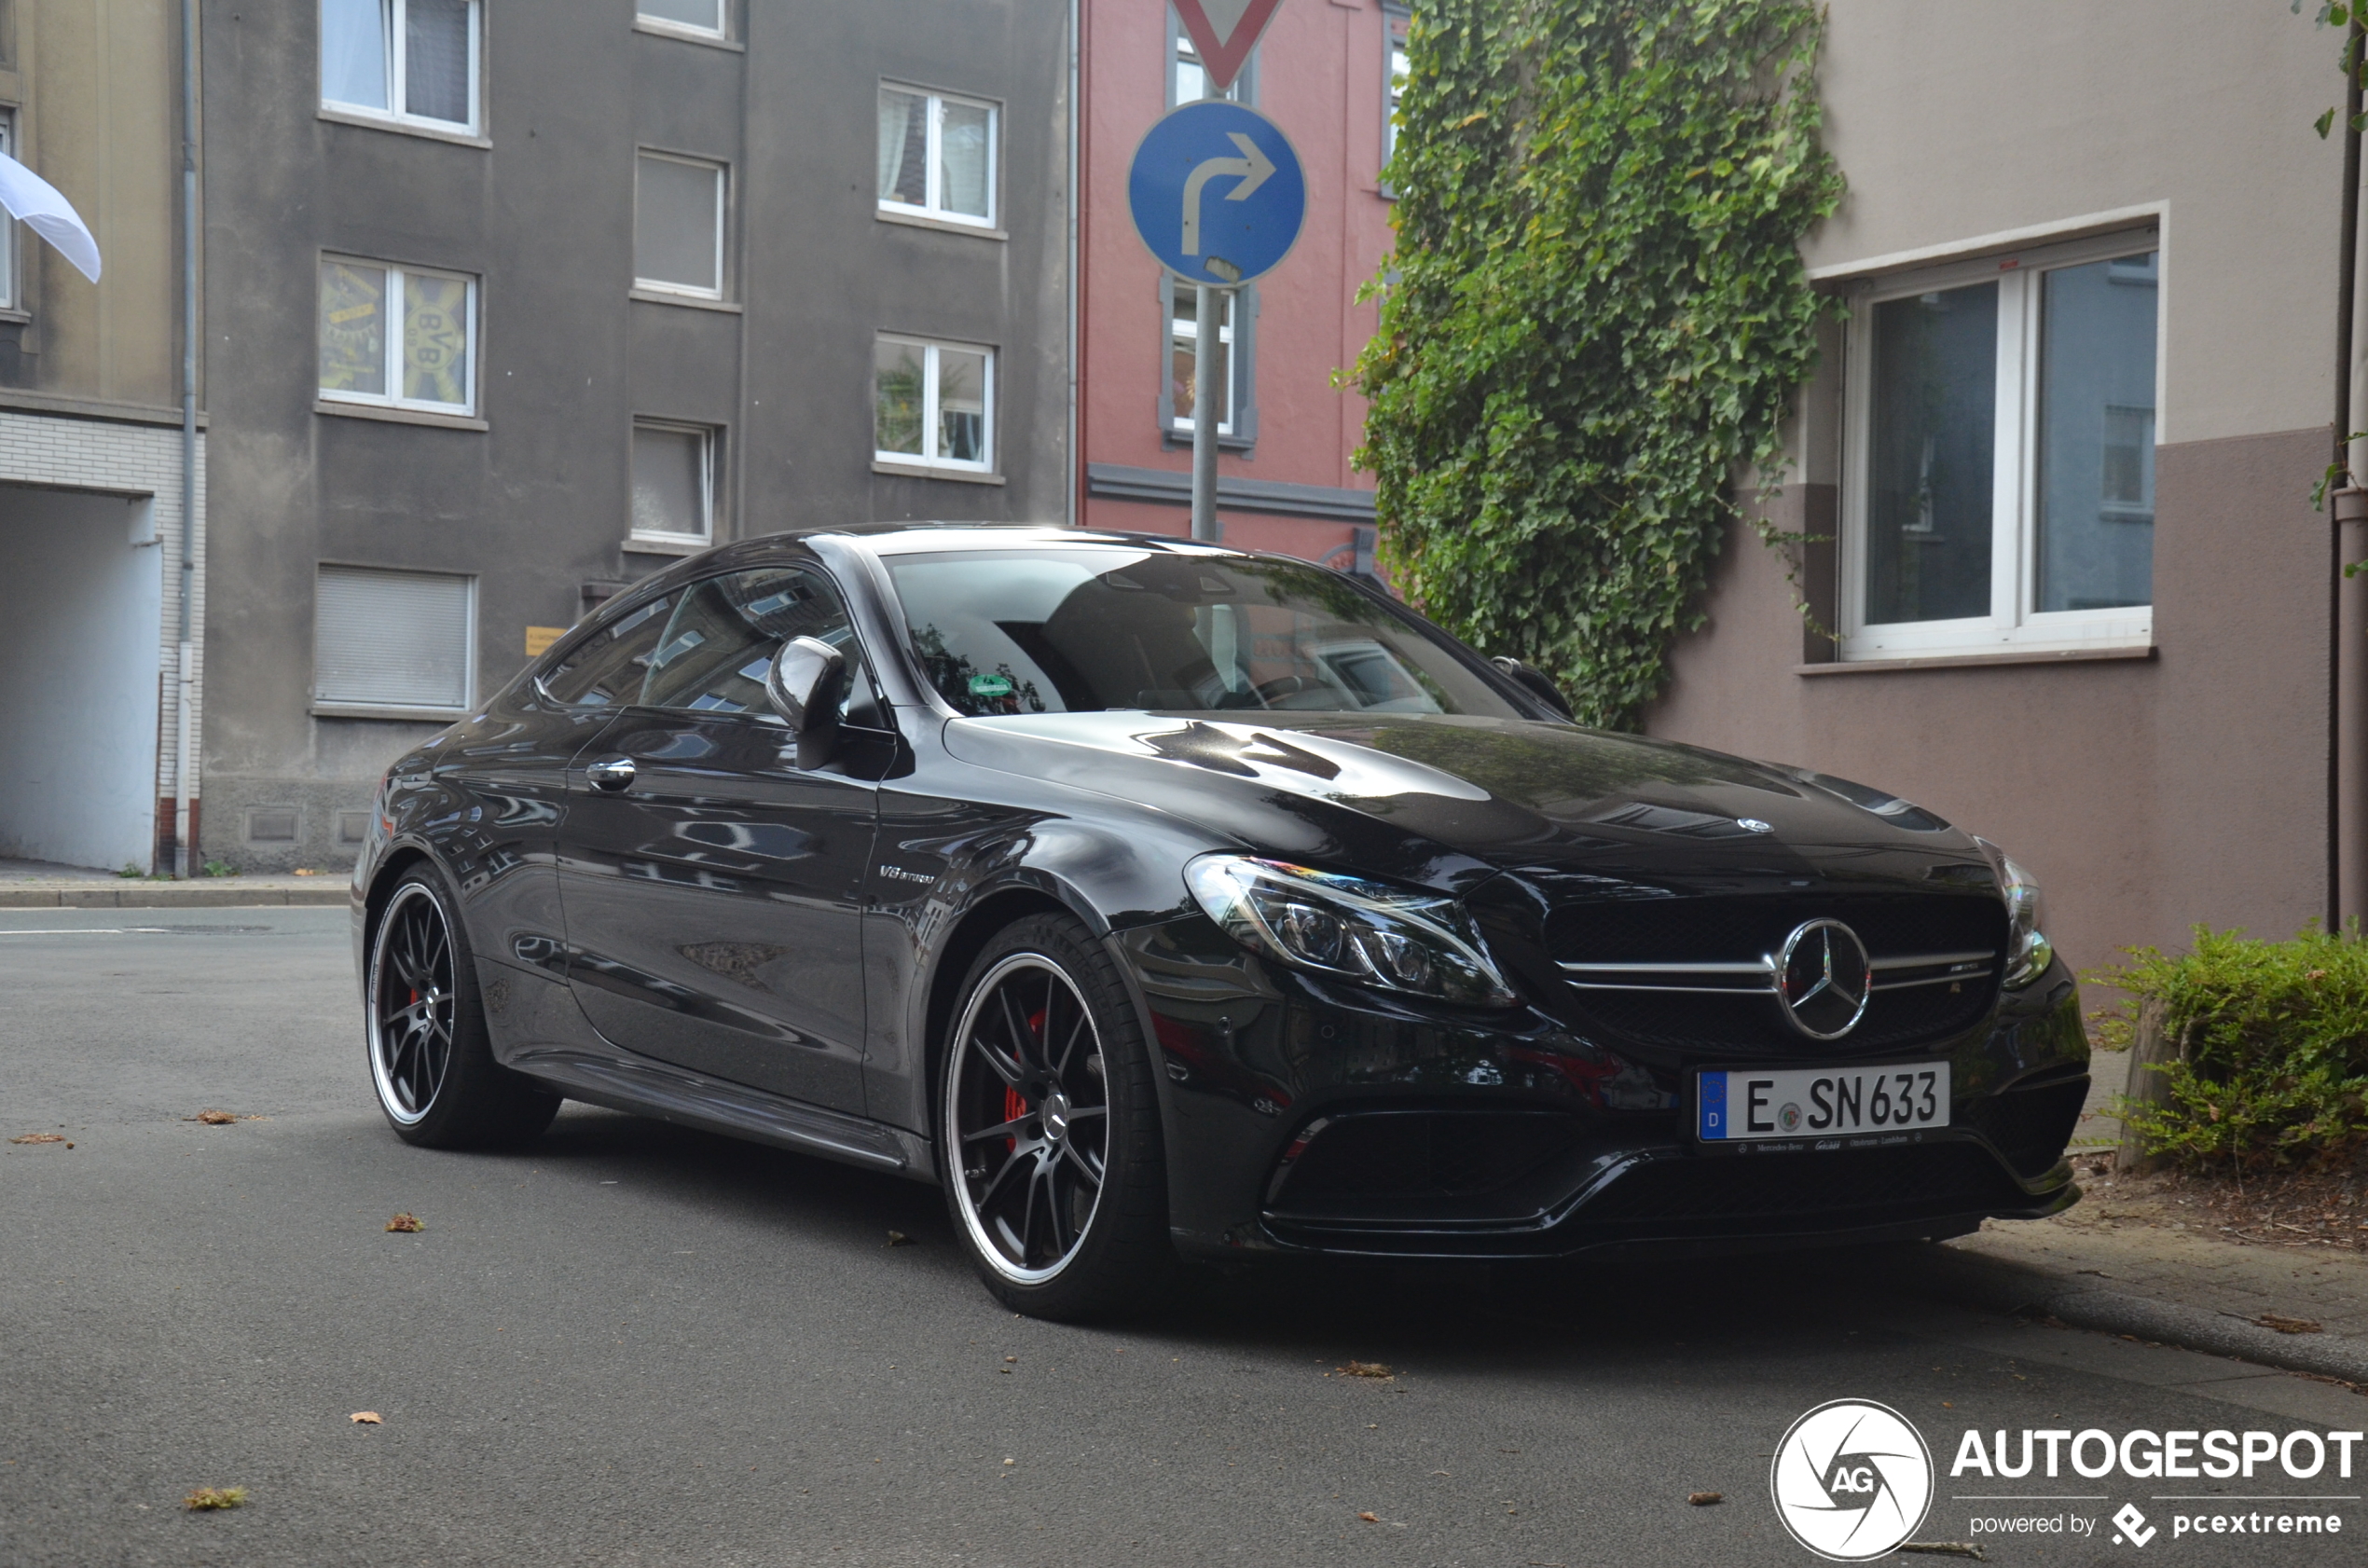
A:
[994, 1183]
[1054, 1202]
[1011, 1129]
[1005, 1068]
[1027, 1211]
[1069, 1047]
[1088, 1163]
[1016, 1030]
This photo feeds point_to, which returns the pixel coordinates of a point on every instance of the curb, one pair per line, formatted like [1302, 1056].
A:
[2034, 1293]
[170, 895]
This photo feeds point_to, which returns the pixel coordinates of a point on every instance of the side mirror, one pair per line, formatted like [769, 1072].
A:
[806, 681]
[1530, 679]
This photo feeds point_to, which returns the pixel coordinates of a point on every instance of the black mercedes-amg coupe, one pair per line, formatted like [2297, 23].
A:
[1157, 899]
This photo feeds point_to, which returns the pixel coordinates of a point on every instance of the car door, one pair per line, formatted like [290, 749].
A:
[712, 886]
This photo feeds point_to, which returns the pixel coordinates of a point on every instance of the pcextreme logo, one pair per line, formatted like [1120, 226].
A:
[1852, 1480]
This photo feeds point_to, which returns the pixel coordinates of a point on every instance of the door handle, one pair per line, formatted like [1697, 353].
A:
[613, 775]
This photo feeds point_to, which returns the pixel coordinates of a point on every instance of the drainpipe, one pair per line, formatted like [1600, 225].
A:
[184, 771]
[1075, 301]
[2347, 884]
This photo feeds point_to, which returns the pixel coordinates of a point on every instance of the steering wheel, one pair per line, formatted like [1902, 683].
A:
[1274, 691]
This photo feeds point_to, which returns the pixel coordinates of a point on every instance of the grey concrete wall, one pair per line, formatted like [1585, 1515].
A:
[535, 505]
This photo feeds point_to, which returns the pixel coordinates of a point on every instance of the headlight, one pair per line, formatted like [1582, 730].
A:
[2028, 950]
[1371, 932]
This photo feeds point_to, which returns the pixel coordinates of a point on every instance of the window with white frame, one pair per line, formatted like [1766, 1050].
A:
[1188, 83]
[1395, 22]
[2001, 428]
[411, 61]
[673, 482]
[397, 640]
[1217, 379]
[400, 336]
[937, 156]
[678, 226]
[933, 404]
[704, 19]
[7, 224]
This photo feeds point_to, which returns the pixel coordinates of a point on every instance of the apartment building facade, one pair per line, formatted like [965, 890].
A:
[2069, 588]
[515, 301]
[95, 530]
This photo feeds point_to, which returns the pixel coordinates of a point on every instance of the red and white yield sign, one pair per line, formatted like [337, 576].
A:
[1224, 32]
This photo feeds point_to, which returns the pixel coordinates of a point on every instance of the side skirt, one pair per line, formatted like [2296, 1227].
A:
[646, 1088]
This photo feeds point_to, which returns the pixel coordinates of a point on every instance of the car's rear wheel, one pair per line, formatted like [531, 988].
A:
[431, 1059]
[1051, 1147]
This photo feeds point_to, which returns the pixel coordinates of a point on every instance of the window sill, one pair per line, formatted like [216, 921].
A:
[664, 545]
[687, 35]
[933, 471]
[400, 715]
[944, 225]
[659, 297]
[398, 416]
[10, 313]
[1966, 661]
[1175, 440]
[405, 127]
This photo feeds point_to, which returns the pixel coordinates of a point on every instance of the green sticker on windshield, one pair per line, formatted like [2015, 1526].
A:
[990, 686]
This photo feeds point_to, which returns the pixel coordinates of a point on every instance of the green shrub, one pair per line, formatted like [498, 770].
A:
[2272, 1058]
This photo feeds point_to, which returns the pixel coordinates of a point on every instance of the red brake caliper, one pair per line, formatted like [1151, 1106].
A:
[1014, 1105]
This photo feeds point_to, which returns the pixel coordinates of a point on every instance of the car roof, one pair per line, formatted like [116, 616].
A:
[898, 539]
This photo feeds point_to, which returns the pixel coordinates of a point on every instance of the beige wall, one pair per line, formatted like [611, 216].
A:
[2146, 793]
[96, 87]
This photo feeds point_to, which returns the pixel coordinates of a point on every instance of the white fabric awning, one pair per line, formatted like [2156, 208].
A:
[35, 202]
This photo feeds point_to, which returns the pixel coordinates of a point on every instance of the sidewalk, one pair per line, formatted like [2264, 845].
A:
[60, 888]
[2089, 1270]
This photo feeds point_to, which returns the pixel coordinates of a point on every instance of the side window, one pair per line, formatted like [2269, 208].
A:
[723, 634]
[606, 669]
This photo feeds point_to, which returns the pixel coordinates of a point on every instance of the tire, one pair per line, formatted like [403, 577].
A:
[431, 1059]
[1049, 1148]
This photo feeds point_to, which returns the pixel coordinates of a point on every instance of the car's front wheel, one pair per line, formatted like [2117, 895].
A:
[1050, 1149]
[431, 1059]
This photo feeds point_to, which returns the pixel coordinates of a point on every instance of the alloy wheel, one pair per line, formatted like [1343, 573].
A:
[411, 1004]
[1028, 1116]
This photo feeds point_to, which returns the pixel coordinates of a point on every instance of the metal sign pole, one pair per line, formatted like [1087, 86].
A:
[1205, 334]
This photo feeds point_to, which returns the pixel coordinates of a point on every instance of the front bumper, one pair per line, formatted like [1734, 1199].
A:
[1312, 1118]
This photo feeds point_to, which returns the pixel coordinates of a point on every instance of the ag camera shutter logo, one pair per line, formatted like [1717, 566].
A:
[1852, 1480]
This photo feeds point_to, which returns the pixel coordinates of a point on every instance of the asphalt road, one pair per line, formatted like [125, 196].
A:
[640, 1345]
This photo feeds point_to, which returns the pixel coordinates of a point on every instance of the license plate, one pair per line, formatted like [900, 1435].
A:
[1749, 1107]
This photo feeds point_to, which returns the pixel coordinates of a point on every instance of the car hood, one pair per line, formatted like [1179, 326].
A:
[1449, 800]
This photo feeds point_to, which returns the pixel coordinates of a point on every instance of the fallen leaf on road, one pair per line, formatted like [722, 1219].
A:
[1704, 1499]
[2287, 1325]
[1366, 1369]
[897, 1238]
[366, 1418]
[405, 1223]
[215, 1497]
[1369, 1519]
[40, 1138]
[1947, 1548]
[219, 1118]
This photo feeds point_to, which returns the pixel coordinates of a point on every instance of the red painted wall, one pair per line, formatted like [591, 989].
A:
[1320, 76]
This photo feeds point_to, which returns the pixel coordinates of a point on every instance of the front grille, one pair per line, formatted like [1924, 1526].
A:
[1443, 1154]
[1935, 1178]
[1723, 928]
[1734, 1011]
[2030, 1126]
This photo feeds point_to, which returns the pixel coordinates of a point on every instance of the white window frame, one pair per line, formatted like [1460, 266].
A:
[720, 32]
[931, 411]
[8, 290]
[1231, 306]
[2012, 624]
[934, 194]
[392, 397]
[1396, 22]
[723, 172]
[706, 435]
[398, 64]
[344, 706]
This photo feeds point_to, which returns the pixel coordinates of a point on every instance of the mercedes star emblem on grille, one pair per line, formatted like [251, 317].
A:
[1823, 978]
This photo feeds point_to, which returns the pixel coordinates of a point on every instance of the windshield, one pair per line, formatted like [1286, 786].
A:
[1084, 628]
